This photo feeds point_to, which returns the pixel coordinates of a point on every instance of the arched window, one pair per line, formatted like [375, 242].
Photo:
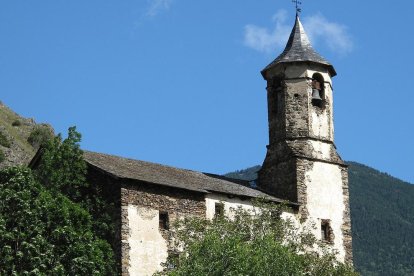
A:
[318, 91]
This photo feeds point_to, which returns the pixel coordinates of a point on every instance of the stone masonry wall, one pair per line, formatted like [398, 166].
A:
[296, 101]
[152, 199]
[347, 227]
[290, 111]
[276, 108]
[278, 173]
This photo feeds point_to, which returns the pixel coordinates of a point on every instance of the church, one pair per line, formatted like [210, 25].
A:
[301, 167]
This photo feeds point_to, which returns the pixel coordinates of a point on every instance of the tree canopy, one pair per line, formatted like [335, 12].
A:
[45, 228]
[262, 243]
[46, 234]
[61, 167]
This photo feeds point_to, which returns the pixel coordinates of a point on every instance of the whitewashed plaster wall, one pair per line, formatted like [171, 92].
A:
[148, 248]
[320, 125]
[325, 201]
[230, 204]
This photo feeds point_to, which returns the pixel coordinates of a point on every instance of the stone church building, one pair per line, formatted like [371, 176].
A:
[301, 166]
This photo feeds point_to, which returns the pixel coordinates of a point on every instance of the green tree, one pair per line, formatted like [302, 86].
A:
[44, 233]
[250, 244]
[46, 223]
[62, 168]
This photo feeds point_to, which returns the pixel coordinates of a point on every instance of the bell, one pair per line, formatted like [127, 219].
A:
[315, 95]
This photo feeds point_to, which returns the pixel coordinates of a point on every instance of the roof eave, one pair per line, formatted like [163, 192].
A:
[330, 68]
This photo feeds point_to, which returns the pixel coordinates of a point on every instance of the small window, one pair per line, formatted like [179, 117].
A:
[326, 231]
[163, 221]
[218, 209]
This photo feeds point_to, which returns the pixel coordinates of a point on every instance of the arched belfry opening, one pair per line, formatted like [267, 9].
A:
[318, 90]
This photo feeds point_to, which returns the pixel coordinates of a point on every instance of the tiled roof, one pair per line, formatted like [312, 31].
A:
[299, 49]
[173, 177]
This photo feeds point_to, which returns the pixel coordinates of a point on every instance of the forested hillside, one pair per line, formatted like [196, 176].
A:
[382, 210]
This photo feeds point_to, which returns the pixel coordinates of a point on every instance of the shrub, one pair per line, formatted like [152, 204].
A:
[2, 156]
[4, 141]
[250, 243]
[17, 123]
[39, 136]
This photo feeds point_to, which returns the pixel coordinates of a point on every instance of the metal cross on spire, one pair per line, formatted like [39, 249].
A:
[297, 4]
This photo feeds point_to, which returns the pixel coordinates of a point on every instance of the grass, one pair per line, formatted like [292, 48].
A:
[18, 134]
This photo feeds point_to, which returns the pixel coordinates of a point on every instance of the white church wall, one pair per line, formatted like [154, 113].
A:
[230, 204]
[320, 126]
[148, 248]
[325, 201]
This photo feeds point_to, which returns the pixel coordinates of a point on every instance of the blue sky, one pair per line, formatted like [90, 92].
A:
[178, 82]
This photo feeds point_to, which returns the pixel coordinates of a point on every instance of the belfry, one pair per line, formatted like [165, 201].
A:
[302, 164]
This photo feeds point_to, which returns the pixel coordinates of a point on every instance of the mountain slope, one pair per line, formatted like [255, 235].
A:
[382, 212]
[19, 137]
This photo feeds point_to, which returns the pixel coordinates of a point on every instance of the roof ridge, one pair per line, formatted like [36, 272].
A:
[132, 169]
[142, 161]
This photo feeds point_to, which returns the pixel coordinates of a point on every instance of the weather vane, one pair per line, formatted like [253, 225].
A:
[297, 3]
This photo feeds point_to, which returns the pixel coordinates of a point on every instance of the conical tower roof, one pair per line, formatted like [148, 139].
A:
[299, 49]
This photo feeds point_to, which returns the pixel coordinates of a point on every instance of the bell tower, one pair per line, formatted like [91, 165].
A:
[302, 164]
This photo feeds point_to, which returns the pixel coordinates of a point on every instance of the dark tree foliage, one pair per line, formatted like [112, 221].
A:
[16, 123]
[2, 156]
[44, 233]
[258, 243]
[62, 168]
[382, 213]
[40, 136]
[248, 174]
[48, 222]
